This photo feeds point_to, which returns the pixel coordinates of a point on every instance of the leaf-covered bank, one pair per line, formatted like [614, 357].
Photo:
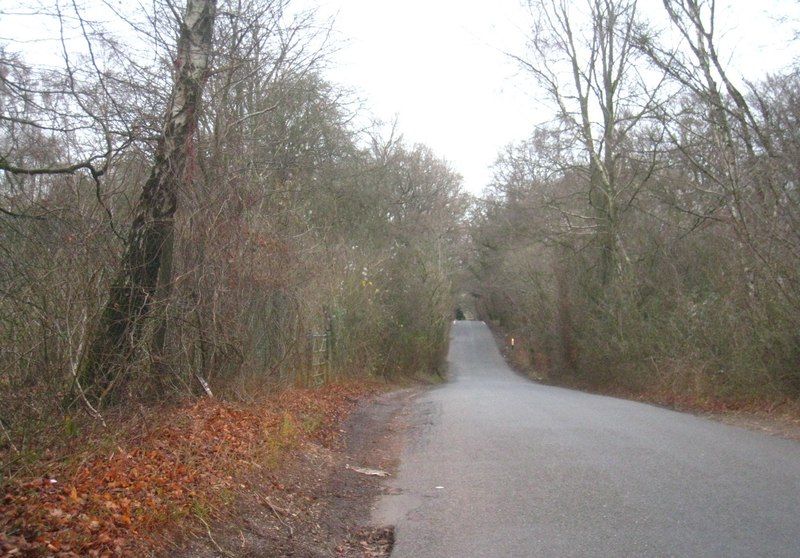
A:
[176, 468]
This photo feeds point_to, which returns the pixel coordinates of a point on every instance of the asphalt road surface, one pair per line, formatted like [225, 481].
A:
[500, 466]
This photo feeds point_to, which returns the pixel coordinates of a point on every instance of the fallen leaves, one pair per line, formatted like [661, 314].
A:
[116, 500]
[372, 542]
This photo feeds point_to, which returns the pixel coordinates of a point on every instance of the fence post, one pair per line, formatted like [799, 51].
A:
[329, 339]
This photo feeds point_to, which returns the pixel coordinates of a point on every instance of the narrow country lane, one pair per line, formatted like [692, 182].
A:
[499, 466]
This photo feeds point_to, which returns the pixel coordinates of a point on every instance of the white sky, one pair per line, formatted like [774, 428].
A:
[438, 65]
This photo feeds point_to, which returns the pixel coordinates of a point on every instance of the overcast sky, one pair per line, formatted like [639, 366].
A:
[438, 65]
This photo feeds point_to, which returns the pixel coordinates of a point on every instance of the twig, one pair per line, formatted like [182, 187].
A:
[74, 369]
[211, 538]
[275, 510]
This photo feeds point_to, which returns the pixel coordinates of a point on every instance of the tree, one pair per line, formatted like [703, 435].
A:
[685, 180]
[585, 62]
[132, 291]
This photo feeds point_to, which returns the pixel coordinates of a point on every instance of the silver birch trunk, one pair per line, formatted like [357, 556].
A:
[118, 331]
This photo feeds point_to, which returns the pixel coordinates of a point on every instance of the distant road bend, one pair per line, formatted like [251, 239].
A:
[498, 466]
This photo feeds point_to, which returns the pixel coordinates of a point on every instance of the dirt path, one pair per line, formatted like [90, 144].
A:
[315, 504]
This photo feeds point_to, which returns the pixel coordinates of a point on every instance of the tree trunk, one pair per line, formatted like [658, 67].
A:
[116, 335]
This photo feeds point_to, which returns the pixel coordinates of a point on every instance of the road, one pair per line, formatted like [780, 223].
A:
[499, 466]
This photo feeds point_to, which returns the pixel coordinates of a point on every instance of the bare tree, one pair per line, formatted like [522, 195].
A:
[684, 174]
[284, 221]
[114, 339]
[585, 61]
[733, 151]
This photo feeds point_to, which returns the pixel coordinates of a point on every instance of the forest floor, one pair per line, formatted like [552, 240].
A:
[775, 417]
[292, 474]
